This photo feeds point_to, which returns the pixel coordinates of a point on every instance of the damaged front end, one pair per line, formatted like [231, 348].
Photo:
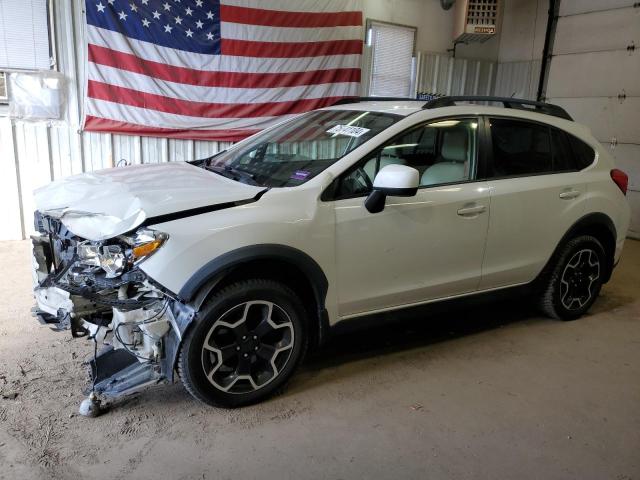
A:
[97, 290]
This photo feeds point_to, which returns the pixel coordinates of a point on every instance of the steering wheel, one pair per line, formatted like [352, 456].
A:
[361, 174]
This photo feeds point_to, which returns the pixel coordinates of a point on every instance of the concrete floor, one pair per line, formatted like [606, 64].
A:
[491, 391]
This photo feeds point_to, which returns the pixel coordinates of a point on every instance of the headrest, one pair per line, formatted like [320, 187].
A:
[454, 146]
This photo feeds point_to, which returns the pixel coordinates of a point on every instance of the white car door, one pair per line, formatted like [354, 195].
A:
[536, 194]
[418, 248]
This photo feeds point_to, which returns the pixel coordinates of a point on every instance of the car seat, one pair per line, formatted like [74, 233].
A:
[451, 165]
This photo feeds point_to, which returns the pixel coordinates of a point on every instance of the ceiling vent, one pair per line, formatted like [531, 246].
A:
[475, 21]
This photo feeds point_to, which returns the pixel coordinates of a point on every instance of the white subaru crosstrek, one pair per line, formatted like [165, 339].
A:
[227, 270]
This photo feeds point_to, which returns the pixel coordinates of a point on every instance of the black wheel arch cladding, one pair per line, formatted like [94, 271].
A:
[598, 225]
[283, 253]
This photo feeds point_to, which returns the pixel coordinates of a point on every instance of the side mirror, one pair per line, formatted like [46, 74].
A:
[392, 180]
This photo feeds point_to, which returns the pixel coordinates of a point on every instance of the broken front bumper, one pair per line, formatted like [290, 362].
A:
[136, 325]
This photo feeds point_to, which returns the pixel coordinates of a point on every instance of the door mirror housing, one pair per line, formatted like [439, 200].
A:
[394, 181]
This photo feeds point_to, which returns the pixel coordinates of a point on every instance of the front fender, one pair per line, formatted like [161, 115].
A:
[241, 255]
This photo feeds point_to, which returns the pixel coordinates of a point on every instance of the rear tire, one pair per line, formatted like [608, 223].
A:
[574, 280]
[245, 344]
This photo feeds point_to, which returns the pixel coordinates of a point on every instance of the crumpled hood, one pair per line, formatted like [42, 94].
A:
[107, 203]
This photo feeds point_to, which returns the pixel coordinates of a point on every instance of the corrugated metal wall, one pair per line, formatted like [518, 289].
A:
[444, 75]
[31, 155]
[518, 79]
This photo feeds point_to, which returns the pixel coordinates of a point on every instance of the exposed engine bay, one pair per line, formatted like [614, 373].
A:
[96, 290]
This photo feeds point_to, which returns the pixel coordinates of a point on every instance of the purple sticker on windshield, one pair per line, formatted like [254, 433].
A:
[300, 174]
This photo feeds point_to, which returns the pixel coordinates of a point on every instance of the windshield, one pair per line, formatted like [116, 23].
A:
[300, 149]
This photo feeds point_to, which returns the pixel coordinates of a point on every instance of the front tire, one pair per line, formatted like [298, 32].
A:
[575, 279]
[245, 344]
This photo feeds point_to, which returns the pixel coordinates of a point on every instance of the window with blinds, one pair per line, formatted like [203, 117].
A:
[24, 35]
[391, 57]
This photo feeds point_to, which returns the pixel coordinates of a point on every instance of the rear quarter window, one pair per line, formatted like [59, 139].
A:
[563, 157]
[583, 154]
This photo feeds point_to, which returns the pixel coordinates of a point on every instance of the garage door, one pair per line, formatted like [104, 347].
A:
[595, 74]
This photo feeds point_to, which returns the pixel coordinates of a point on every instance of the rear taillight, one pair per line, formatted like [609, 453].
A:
[621, 179]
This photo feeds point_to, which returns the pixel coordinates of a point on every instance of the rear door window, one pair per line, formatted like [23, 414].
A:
[520, 148]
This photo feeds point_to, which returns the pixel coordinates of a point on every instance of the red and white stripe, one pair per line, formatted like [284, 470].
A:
[140, 88]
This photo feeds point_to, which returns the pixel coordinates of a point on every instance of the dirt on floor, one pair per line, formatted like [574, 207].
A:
[486, 391]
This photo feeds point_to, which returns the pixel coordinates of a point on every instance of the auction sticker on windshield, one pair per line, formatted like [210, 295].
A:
[348, 130]
[300, 174]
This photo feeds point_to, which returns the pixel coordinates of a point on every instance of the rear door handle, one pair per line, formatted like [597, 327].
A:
[471, 210]
[569, 194]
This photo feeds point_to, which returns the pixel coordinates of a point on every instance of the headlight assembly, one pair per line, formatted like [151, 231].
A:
[111, 258]
[89, 254]
[145, 243]
[114, 258]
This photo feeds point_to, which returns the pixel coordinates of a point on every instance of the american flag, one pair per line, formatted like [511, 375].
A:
[216, 70]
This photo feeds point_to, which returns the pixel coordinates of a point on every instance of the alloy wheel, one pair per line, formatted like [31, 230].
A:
[248, 346]
[578, 279]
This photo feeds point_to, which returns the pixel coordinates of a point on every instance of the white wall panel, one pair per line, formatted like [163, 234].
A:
[442, 74]
[607, 118]
[126, 149]
[487, 78]
[34, 164]
[206, 149]
[523, 30]
[597, 74]
[627, 158]
[608, 30]
[97, 151]
[634, 202]
[518, 79]
[11, 224]
[180, 150]
[155, 150]
[66, 151]
[573, 7]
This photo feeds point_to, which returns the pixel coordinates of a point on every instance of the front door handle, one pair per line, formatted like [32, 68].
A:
[569, 194]
[471, 210]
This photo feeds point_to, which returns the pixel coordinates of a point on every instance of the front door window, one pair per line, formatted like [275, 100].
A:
[443, 152]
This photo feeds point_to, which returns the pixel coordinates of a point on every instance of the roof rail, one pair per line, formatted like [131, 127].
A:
[346, 100]
[507, 102]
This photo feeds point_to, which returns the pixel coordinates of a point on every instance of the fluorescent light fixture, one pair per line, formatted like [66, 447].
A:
[445, 123]
[358, 118]
[401, 146]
